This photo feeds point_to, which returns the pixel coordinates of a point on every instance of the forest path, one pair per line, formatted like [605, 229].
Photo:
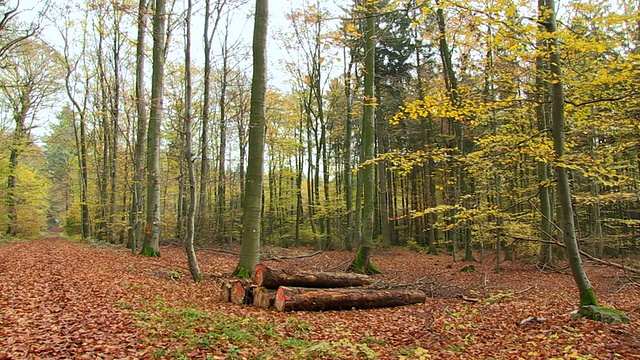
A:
[59, 300]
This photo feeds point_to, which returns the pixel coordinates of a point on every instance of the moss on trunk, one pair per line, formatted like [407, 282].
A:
[362, 262]
[149, 252]
[588, 297]
[241, 272]
[603, 314]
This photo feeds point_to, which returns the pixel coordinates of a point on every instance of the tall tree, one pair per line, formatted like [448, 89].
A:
[209, 31]
[27, 82]
[80, 108]
[545, 257]
[252, 206]
[222, 159]
[588, 301]
[362, 262]
[194, 269]
[151, 244]
[141, 129]
[11, 31]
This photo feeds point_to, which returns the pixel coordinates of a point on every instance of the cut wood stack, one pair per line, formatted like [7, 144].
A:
[289, 290]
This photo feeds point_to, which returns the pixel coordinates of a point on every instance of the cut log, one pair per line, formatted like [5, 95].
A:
[273, 278]
[241, 292]
[223, 290]
[263, 297]
[310, 299]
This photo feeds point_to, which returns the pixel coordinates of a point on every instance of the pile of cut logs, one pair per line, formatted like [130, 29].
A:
[290, 290]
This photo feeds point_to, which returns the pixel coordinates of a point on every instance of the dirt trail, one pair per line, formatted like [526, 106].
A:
[53, 296]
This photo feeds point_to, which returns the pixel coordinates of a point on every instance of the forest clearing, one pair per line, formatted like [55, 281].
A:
[419, 146]
[62, 299]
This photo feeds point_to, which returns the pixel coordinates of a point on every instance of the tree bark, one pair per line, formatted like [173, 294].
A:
[252, 215]
[151, 244]
[221, 189]
[310, 299]
[348, 138]
[206, 100]
[273, 278]
[192, 260]
[587, 295]
[545, 256]
[362, 262]
[141, 132]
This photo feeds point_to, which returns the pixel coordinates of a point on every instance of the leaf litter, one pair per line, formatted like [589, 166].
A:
[60, 299]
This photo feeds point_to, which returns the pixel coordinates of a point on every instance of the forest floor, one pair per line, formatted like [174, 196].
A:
[65, 300]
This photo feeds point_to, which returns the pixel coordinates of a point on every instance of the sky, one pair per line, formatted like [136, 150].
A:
[241, 31]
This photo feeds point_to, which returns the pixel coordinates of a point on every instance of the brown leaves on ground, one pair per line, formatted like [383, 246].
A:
[60, 300]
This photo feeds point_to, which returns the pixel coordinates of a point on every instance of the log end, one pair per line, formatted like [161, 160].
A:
[258, 274]
[238, 293]
[281, 298]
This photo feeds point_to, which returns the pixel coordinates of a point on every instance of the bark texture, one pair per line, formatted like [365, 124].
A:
[309, 299]
[251, 218]
[263, 297]
[587, 295]
[273, 278]
[151, 244]
[361, 263]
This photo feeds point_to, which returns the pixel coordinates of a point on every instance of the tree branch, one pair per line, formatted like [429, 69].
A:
[586, 255]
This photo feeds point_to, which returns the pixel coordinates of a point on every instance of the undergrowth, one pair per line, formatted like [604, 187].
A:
[182, 332]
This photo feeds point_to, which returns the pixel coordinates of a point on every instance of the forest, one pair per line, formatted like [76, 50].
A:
[481, 132]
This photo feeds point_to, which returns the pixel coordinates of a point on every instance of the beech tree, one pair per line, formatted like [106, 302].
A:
[12, 32]
[468, 156]
[141, 129]
[362, 262]
[151, 244]
[252, 206]
[588, 303]
[194, 268]
[28, 80]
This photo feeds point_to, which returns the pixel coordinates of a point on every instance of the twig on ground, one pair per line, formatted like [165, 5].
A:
[586, 255]
[219, 250]
[531, 319]
[287, 257]
[469, 299]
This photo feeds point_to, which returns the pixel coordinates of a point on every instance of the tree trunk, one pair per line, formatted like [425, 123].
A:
[451, 84]
[348, 183]
[141, 132]
[362, 262]
[221, 188]
[587, 295]
[386, 232]
[310, 299]
[273, 278]
[252, 215]
[545, 256]
[192, 260]
[84, 205]
[17, 146]
[115, 123]
[151, 244]
[80, 136]
[204, 127]
[102, 230]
